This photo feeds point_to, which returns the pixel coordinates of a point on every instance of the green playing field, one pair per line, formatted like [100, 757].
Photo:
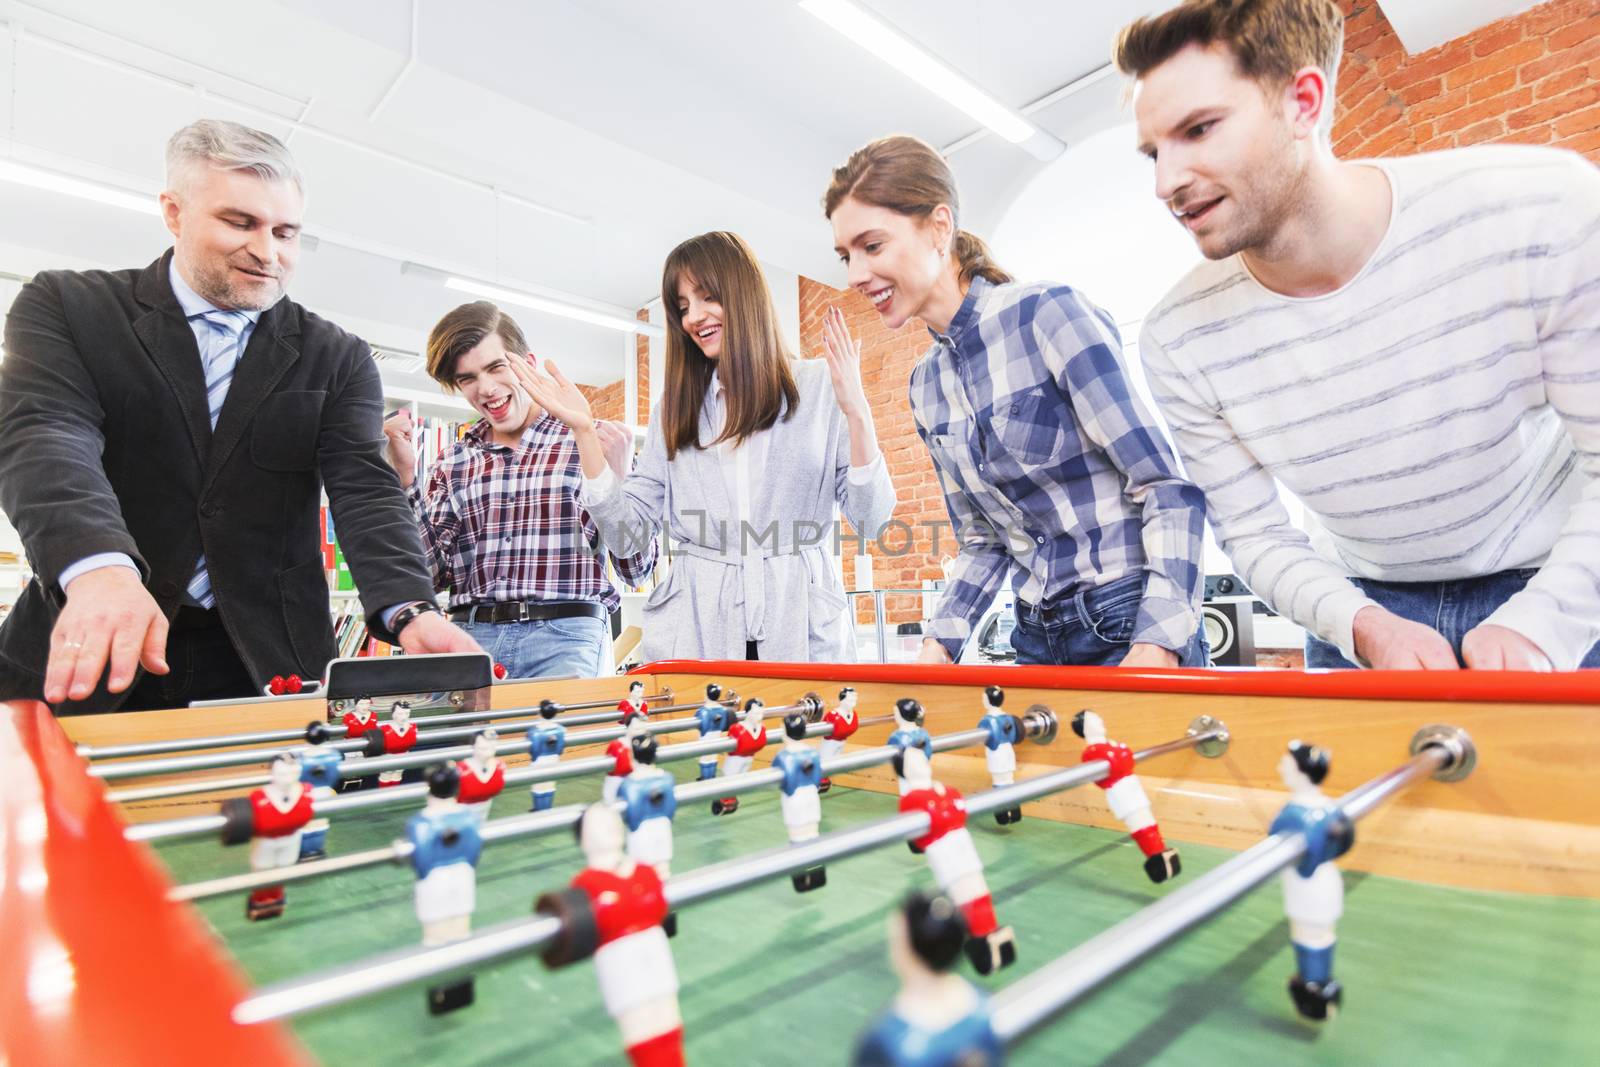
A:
[771, 977]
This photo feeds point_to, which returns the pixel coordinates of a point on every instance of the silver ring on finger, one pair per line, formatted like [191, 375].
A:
[74, 645]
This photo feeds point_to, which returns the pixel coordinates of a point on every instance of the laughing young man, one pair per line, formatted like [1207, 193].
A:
[500, 518]
[1408, 345]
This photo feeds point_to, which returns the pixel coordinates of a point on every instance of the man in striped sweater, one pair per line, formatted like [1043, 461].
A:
[1407, 345]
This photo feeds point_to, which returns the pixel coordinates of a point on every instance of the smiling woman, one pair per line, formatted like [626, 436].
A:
[746, 458]
[1049, 462]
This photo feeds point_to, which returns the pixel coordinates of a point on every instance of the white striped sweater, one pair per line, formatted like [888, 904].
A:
[1438, 415]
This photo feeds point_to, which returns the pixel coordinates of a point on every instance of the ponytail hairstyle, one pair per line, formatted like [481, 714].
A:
[754, 367]
[909, 177]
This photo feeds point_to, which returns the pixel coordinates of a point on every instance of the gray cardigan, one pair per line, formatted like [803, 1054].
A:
[783, 562]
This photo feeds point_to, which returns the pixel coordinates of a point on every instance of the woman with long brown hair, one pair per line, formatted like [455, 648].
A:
[747, 455]
[1053, 472]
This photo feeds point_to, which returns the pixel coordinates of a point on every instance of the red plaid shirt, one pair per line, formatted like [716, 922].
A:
[504, 523]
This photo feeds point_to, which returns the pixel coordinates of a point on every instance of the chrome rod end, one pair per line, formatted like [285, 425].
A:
[1040, 724]
[667, 695]
[812, 703]
[1455, 741]
[1214, 745]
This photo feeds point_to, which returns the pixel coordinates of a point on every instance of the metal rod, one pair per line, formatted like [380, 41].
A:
[535, 824]
[402, 967]
[405, 761]
[271, 737]
[1027, 1004]
[401, 795]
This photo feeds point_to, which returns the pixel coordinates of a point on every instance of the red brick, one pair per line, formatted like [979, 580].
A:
[1503, 82]
[1578, 122]
[1505, 59]
[1438, 144]
[1425, 90]
[1579, 32]
[1498, 107]
[1496, 36]
[1561, 59]
[1560, 83]
[1532, 135]
[1554, 108]
[1483, 131]
[1430, 64]
[1586, 143]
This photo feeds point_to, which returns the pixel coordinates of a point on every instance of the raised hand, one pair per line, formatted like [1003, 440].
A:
[843, 354]
[551, 390]
[401, 453]
[110, 618]
[616, 440]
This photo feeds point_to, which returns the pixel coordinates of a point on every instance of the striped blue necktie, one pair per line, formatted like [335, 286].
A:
[219, 355]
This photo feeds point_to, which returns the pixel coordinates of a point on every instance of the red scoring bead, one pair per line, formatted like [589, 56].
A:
[293, 683]
[275, 687]
[500, 670]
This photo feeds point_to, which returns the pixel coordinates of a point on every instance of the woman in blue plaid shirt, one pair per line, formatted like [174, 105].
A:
[1054, 473]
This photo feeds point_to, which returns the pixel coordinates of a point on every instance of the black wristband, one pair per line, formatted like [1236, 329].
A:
[406, 615]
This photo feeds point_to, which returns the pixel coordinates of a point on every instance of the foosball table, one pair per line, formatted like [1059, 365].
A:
[751, 863]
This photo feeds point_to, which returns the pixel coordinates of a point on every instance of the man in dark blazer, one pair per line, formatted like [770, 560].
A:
[165, 435]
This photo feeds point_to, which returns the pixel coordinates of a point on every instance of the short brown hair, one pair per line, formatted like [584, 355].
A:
[1269, 39]
[909, 177]
[754, 367]
[464, 329]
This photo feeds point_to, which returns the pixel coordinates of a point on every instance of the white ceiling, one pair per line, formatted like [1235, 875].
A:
[640, 122]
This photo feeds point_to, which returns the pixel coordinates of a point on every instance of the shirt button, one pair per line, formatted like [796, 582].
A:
[1041, 540]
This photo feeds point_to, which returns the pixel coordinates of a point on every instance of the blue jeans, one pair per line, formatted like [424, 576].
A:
[1452, 608]
[1093, 628]
[543, 646]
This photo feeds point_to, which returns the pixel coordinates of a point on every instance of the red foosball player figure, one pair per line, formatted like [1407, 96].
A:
[1126, 796]
[954, 860]
[360, 719]
[634, 704]
[399, 735]
[620, 750]
[845, 722]
[613, 912]
[272, 819]
[483, 775]
[749, 737]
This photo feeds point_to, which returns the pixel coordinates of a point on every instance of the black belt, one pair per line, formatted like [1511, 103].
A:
[194, 617]
[528, 611]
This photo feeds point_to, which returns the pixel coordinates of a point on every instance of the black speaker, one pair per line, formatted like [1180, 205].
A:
[1230, 631]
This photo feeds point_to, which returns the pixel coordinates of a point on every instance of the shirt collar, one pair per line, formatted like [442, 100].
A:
[192, 303]
[967, 314]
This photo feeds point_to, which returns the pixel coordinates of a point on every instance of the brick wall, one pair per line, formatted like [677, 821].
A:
[902, 560]
[606, 401]
[1533, 78]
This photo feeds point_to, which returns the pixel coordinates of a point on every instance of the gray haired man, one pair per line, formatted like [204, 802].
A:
[165, 437]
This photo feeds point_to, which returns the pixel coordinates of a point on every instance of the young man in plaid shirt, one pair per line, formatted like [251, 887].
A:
[500, 519]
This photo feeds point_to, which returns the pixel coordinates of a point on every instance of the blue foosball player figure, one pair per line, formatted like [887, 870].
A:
[714, 718]
[1313, 889]
[445, 846]
[939, 1019]
[319, 770]
[649, 803]
[1000, 747]
[908, 731]
[546, 740]
[800, 798]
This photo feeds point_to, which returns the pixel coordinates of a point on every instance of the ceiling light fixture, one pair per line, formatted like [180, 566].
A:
[931, 73]
[501, 295]
[52, 181]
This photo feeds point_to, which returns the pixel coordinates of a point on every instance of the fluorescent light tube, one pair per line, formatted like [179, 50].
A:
[553, 307]
[911, 60]
[39, 178]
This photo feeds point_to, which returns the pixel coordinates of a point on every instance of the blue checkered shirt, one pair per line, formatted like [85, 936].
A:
[1053, 471]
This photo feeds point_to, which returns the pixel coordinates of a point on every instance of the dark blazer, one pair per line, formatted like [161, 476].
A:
[106, 446]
